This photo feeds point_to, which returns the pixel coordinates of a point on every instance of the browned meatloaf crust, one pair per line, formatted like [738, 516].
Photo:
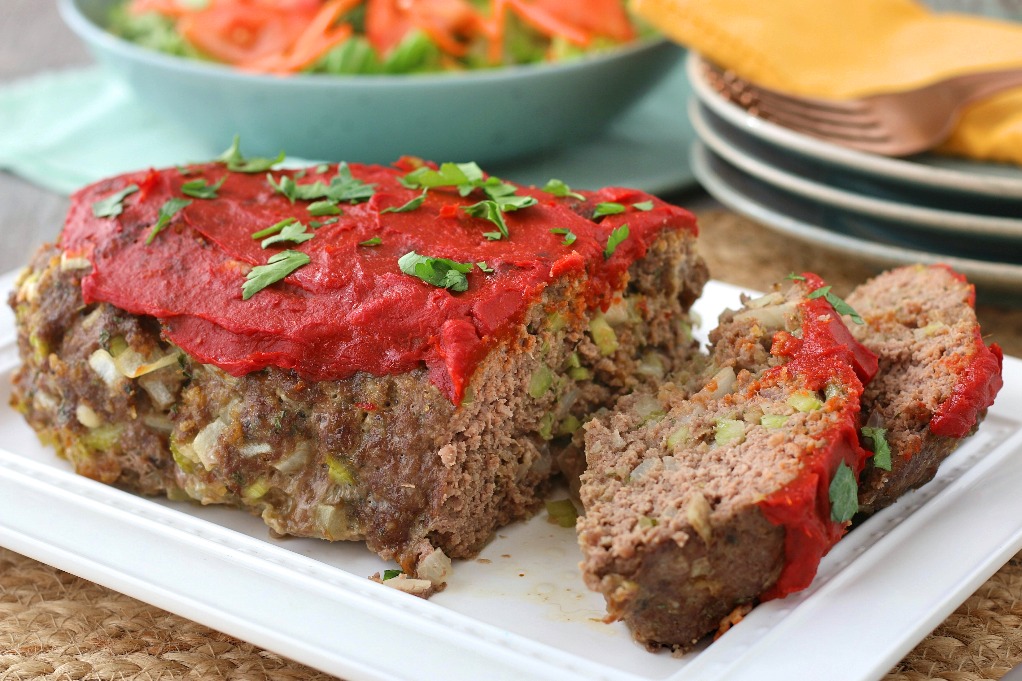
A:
[716, 490]
[936, 377]
[388, 459]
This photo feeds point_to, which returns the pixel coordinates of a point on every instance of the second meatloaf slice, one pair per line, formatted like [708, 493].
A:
[730, 484]
[937, 377]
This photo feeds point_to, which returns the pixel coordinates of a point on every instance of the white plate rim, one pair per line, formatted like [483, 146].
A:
[997, 276]
[439, 640]
[920, 216]
[904, 170]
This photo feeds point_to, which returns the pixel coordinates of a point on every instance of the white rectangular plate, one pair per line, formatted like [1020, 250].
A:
[520, 610]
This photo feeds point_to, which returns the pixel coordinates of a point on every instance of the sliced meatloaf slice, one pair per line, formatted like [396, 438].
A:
[936, 379]
[729, 484]
[356, 398]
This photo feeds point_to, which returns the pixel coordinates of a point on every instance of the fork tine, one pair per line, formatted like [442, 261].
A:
[823, 129]
[866, 121]
[858, 115]
[730, 81]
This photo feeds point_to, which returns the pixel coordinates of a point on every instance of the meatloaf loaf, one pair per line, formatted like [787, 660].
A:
[936, 379]
[730, 483]
[388, 354]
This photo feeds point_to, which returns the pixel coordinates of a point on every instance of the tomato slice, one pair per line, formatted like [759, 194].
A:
[446, 22]
[236, 32]
[387, 23]
[577, 20]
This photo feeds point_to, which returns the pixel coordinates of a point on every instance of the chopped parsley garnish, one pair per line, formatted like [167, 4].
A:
[614, 240]
[559, 188]
[881, 448]
[484, 267]
[489, 210]
[325, 207]
[316, 224]
[273, 229]
[569, 236]
[448, 175]
[113, 205]
[167, 211]
[390, 574]
[322, 168]
[840, 306]
[409, 206]
[608, 208]
[343, 187]
[200, 189]
[293, 232]
[643, 205]
[436, 271]
[501, 197]
[375, 241]
[234, 161]
[795, 277]
[276, 268]
[844, 494]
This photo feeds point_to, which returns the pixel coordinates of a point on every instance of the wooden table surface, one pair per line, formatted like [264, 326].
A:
[33, 39]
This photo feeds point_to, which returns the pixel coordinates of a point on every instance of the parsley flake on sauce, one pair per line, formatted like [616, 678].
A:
[614, 240]
[234, 161]
[276, 268]
[294, 232]
[325, 207]
[844, 494]
[273, 229]
[484, 267]
[440, 272]
[200, 189]
[375, 241]
[608, 208]
[343, 187]
[409, 206]
[448, 175]
[881, 448]
[569, 236]
[113, 205]
[840, 306]
[643, 205]
[489, 210]
[559, 188]
[167, 211]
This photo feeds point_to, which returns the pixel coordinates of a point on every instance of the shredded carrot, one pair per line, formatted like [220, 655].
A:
[286, 36]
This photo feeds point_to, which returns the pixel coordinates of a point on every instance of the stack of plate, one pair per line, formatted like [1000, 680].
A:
[882, 210]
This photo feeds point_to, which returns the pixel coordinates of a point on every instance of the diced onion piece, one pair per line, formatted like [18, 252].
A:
[722, 382]
[132, 364]
[158, 422]
[697, 512]
[770, 317]
[679, 436]
[617, 313]
[158, 391]
[87, 416]
[294, 461]
[643, 469]
[102, 362]
[436, 567]
[68, 263]
[410, 585]
[255, 449]
[205, 443]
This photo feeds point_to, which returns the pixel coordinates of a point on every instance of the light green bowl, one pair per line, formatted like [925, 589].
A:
[485, 116]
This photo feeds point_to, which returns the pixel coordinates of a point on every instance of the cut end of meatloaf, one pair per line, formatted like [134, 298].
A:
[391, 458]
[715, 491]
[937, 377]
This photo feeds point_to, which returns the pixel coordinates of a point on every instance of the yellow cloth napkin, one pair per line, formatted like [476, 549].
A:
[850, 48]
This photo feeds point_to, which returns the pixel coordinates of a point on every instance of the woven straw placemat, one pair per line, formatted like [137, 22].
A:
[57, 627]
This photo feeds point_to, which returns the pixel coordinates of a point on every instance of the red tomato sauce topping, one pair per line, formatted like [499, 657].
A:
[351, 309]
[825, 352]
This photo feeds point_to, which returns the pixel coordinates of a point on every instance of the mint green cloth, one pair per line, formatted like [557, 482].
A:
[65, 129]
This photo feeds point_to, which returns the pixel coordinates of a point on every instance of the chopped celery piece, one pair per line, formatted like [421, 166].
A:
[256, 490]
[646, 522]
[561, 512]
[603, 335]
[183, 461]
[117, 345]
[728, 431]
[678, 437]
[539, 384]
[339, 472]
[556, 321]
[41, 347]
[102, 438]
[580, 374]
[569, 425]
[546, 426]
[805, 401]
[773, 420]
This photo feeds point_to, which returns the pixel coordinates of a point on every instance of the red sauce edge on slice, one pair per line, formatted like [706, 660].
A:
[351, 309]
[825, 351]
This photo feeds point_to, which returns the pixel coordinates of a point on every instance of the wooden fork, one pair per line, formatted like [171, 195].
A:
[890, 124]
